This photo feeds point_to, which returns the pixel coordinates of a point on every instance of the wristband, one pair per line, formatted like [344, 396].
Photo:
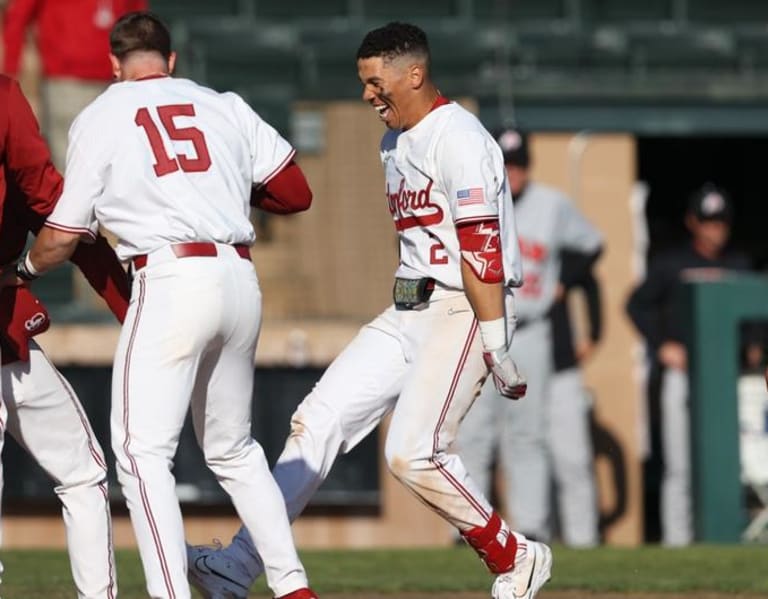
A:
[25, 270]
[493, 334]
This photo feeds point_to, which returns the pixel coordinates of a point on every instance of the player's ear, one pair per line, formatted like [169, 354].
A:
[171, 63]
[114, 61]
[417, 75]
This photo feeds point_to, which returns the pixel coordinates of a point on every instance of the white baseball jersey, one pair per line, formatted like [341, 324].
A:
[445, 171]
[187, 159]
[547, 223]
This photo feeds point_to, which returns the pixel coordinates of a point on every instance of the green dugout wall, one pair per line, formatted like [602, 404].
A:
[716, 308]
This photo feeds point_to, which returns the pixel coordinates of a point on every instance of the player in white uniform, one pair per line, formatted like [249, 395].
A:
[425, 357]
[168, 167]
[547, 223]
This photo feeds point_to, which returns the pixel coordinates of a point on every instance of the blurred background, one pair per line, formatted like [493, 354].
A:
[631, 106]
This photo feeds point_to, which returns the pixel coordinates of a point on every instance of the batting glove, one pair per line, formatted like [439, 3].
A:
[509, 382]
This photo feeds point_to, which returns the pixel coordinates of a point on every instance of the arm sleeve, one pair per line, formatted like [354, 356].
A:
[576, 271]
[576, 267]
[472, 180]
[594, 307]
[27, 157]
[287, 192]
[105, 274]
[16, 20]
[646, 302]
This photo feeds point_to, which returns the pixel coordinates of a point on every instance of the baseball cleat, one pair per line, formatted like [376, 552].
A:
[215, 575]
[300, 594]
[527, 577]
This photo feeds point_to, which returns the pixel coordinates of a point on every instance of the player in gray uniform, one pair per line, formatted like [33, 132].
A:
[547, 223]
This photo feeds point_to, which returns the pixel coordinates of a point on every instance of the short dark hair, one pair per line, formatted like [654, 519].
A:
[393, 40]
[139, 31]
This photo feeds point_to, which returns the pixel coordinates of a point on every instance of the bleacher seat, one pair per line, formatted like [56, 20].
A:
[329, 65]
[175, 10]
[227, 53]
[457, 73]
[733, 11]
[551, 46]
[610, 11]
[752, 45]
[519, 11]
[380, 13]
[710, 49]
[298, 10]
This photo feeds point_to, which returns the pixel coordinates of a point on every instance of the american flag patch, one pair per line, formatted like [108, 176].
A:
[468, 197]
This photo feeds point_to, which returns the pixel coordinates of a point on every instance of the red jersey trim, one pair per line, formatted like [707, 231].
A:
[441, 100]
[280, 167]
[67, 229]
[155, 76]
[475, 219]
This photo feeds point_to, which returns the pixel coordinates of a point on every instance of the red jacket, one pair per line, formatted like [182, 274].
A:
[29, 189]
[72, 35]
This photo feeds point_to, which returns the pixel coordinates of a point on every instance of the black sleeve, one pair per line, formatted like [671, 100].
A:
[646, 303]
[594, 306]
[576, 267]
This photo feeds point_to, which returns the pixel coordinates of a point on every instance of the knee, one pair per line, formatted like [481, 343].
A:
[404, 462]
[317, 420]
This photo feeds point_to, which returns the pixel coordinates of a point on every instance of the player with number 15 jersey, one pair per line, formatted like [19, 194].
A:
[171, 169]
[188, 158]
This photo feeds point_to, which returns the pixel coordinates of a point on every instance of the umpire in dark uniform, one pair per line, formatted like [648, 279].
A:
[655, 309]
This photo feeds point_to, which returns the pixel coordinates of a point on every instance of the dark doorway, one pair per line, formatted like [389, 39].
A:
[674, 167]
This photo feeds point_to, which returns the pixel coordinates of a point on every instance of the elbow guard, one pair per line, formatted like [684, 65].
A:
[480, 246]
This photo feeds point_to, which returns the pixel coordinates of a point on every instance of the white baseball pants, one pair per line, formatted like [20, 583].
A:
[542, 437]
[426, 366]
[48, 421]
[189, 338]
[676, 502]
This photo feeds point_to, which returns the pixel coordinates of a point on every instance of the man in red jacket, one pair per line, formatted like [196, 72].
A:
[44, 414]
[73, 41]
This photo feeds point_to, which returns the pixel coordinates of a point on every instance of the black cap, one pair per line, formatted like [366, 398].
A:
[710, 203]
[514, 146]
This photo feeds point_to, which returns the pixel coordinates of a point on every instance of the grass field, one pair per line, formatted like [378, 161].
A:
[718, 570]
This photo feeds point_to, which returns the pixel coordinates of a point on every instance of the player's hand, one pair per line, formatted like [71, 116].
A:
[509, 382]
[673, 355]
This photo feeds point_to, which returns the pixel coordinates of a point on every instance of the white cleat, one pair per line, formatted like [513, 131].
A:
[527, 577]
[215, 575]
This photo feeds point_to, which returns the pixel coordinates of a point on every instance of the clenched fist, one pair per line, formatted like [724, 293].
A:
[509, 382]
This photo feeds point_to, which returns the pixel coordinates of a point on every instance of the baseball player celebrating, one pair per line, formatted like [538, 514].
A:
[169, 167]
[44, 415]
[425, 357]
[547, 224]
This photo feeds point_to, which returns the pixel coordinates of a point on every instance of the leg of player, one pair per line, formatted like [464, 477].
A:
[524, 455]
[572, 458]
[222, 416]
[356, 391]
[478, 438]
[46, 418]
[676, 509]
[154, 372]
[446, 373]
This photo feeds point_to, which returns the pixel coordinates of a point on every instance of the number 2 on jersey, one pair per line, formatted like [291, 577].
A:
[165, 164]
